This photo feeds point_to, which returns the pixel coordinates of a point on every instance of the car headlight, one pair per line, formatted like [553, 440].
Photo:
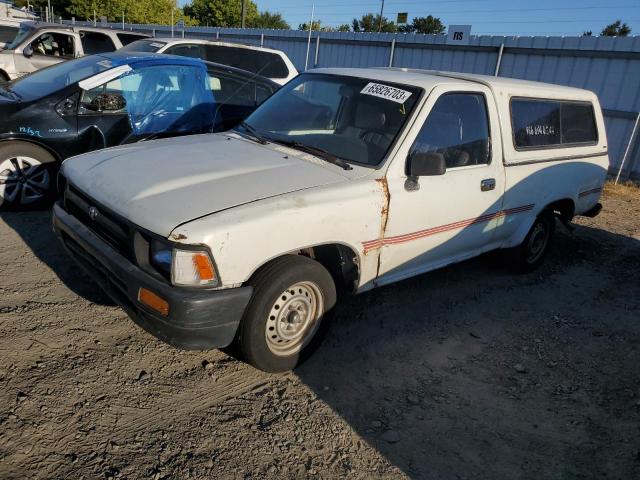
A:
[190, 268]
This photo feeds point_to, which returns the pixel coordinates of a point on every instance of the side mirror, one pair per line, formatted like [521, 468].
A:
[427, 164]
[107, 102]
[28, 51]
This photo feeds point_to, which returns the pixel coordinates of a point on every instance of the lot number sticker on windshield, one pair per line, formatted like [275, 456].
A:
[384, 91]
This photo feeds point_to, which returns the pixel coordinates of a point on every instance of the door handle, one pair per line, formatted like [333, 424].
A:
[487, 184]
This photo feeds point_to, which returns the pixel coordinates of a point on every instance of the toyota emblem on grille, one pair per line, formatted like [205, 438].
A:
[93, 213]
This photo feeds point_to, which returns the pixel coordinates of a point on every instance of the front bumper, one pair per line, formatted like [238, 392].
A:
[197, 319]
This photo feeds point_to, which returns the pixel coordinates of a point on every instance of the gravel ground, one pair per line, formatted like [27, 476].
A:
[467, 372]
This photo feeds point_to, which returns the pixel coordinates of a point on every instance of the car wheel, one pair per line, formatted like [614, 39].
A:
[4, 77]
[288, 314]
[528, 256]
[27, 176]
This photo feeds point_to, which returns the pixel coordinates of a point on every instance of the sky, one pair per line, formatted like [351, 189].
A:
[500, 17]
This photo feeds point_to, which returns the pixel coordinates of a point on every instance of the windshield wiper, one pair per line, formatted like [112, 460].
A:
[253, 133]
[318, 152]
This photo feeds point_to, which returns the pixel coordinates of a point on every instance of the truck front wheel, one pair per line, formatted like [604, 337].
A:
[528, 256]
[287, 316]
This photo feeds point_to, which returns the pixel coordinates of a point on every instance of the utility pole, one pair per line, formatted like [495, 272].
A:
[243, 14]
[380, 22]
[306, 60]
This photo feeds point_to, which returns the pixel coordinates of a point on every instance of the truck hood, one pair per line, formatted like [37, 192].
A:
[161, 184]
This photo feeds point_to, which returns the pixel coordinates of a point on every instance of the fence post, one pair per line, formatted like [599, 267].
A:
[315, 60]
[218, 35]
[393, 49]
[499, 60]
[262, 39]
[626, 152]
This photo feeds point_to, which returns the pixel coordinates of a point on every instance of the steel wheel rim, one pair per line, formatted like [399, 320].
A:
[537, 242]
[23, 180]
[294, 318]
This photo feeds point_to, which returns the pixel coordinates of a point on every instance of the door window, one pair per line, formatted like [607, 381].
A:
[234, 90]
[236, 97]
[160, 99]
[186, 50]
[458, 128]
[263, 63]
[7, 33]
[94, 42]
[53, 44]
[127, 38]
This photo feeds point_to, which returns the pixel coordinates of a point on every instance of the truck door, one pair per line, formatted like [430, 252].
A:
[436, 220]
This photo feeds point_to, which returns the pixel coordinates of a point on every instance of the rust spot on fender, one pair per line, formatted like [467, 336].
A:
[179, 236]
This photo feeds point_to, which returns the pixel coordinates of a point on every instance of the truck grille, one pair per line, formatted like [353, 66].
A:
[100, 221]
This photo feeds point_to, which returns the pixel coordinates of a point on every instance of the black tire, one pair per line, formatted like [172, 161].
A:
[4, 77]
[27, 176]
[530, 254]
[272, 285]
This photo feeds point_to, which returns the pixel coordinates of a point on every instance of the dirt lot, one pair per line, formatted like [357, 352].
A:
[468, 372]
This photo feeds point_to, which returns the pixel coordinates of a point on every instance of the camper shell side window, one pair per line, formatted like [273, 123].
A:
[539, 123]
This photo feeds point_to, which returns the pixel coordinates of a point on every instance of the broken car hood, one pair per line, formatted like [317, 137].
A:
[161, 184]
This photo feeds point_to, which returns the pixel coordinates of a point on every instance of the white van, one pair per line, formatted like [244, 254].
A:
[267, 62]
[342, 181]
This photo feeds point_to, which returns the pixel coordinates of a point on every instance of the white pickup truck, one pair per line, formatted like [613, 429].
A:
[344, 180]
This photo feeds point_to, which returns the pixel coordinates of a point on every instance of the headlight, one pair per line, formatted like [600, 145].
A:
[192, 268]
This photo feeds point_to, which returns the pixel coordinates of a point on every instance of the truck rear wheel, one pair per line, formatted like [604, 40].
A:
[27, 176]
[528, 256]
[287, 316]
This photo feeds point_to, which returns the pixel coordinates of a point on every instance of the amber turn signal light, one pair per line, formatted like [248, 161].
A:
[153, 301]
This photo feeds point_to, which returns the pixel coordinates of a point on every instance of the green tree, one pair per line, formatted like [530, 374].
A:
[345, 27]
[267, 19]
[616, 29]
[136, 11]
[427, 25]
[372, 23]
[221, 13]
[315, 25]
[587, 33]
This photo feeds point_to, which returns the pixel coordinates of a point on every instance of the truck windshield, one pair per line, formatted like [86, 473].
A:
[349, 118]
[49, 80]
[24, 32]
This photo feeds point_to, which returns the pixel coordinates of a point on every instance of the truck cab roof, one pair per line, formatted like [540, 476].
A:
[428, 79]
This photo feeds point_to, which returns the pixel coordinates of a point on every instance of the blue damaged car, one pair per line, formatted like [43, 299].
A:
[107, 100]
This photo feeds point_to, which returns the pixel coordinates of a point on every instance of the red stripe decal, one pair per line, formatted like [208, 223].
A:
[590, 192]
[407, 237]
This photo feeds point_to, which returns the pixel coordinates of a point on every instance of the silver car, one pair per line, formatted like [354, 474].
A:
[38, 45]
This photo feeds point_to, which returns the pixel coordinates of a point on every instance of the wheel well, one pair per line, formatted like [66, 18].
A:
[340, 261]
[52, 152]
[4, 77]
[564, 208]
